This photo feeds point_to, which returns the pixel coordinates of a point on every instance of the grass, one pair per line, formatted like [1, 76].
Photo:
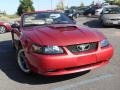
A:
[12, 16]
[8, 17]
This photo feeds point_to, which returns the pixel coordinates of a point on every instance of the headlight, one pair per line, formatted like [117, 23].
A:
[104, 43]
[36, 49]
[53, 50]
[47, 49]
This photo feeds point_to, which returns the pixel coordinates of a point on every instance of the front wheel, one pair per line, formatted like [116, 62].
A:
[13, 42]
[2, 29]
[77, 15]
[22, 61]
[89, 15]
[103, 24]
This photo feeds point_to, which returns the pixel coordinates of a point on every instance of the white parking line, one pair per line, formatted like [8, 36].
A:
[84, 82]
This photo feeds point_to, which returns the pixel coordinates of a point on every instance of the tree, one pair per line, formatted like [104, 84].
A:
[4, 12]
[60, 6]
[110, 1]
[82, 4]
[116, 2]
[66, 7]
[25, 6]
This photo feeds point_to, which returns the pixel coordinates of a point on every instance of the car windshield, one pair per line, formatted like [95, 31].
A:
[45, 18]
[115, 10]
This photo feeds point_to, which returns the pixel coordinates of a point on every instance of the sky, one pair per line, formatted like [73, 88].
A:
[10, 6]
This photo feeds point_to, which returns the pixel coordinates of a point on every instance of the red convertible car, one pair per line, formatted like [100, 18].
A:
[50, 43]
[4, 27]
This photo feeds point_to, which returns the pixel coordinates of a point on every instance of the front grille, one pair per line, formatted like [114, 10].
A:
[78, 48]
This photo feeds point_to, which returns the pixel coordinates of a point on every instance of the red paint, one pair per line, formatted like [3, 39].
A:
[63, 35]
[6, 25]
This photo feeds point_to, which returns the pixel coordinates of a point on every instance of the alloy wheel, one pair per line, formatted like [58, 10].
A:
[2, 29]
[22, 61]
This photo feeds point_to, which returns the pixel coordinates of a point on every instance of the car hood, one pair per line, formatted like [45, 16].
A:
[61, 35]
[112, 16]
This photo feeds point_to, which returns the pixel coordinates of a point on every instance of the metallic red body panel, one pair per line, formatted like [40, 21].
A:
[7, 25]
[57, 64]
[63, 35]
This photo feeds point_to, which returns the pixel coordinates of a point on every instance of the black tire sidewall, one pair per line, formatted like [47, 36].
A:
[18, 63]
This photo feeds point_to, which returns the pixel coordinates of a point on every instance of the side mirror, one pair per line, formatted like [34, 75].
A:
[15, 26]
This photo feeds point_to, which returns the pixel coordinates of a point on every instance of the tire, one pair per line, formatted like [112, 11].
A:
[77, 15]
[13, 42]
[2, 29]
[89, 15]
[103, 25]
[22, 62]
[74, 17]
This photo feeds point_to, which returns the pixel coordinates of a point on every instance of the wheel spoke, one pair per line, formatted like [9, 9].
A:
[22, 62]
[2, 29]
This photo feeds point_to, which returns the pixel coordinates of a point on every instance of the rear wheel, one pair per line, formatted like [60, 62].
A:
[22, 61]
[89, 15]
[2, 29]
[103, 24]
[74, 17]
[77, 15]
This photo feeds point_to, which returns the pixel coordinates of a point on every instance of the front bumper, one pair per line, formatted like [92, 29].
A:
[111, 22]
[69, 63]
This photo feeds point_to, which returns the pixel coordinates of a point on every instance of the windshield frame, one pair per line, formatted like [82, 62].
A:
[23, 18]
[113, 8]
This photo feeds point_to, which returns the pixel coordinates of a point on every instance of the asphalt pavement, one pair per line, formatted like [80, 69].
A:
[104, 78]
